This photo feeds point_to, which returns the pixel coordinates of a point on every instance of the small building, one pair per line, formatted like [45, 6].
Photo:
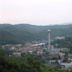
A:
[17, 54]
[60, 37]
[65, 65]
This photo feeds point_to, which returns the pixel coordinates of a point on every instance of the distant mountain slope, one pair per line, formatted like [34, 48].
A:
[22, 33]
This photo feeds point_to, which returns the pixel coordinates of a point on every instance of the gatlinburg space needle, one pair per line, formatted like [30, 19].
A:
[49, 39]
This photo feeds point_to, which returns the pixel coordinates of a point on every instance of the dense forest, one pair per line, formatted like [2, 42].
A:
[21, 33]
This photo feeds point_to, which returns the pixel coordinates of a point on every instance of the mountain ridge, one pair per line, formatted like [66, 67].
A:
[22, 33]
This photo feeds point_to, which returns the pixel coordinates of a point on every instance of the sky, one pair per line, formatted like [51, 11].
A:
[36, 12]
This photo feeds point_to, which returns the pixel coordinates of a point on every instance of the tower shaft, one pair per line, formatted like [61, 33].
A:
[49, 40]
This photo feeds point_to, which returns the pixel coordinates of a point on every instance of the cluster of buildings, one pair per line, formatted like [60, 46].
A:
[18, 49]
[59, 56]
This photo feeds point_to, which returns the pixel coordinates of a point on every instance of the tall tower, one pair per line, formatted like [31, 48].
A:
[49, 39]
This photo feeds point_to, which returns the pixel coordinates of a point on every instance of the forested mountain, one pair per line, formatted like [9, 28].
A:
[21, 33]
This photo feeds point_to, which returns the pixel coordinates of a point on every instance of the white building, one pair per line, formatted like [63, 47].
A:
[66, 65]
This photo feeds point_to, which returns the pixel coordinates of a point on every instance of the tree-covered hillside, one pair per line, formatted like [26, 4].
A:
[22, 33]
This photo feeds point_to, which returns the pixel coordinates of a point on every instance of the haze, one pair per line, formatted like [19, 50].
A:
[36, 12]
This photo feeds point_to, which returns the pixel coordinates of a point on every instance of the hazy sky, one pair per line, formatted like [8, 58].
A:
[38, 12]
